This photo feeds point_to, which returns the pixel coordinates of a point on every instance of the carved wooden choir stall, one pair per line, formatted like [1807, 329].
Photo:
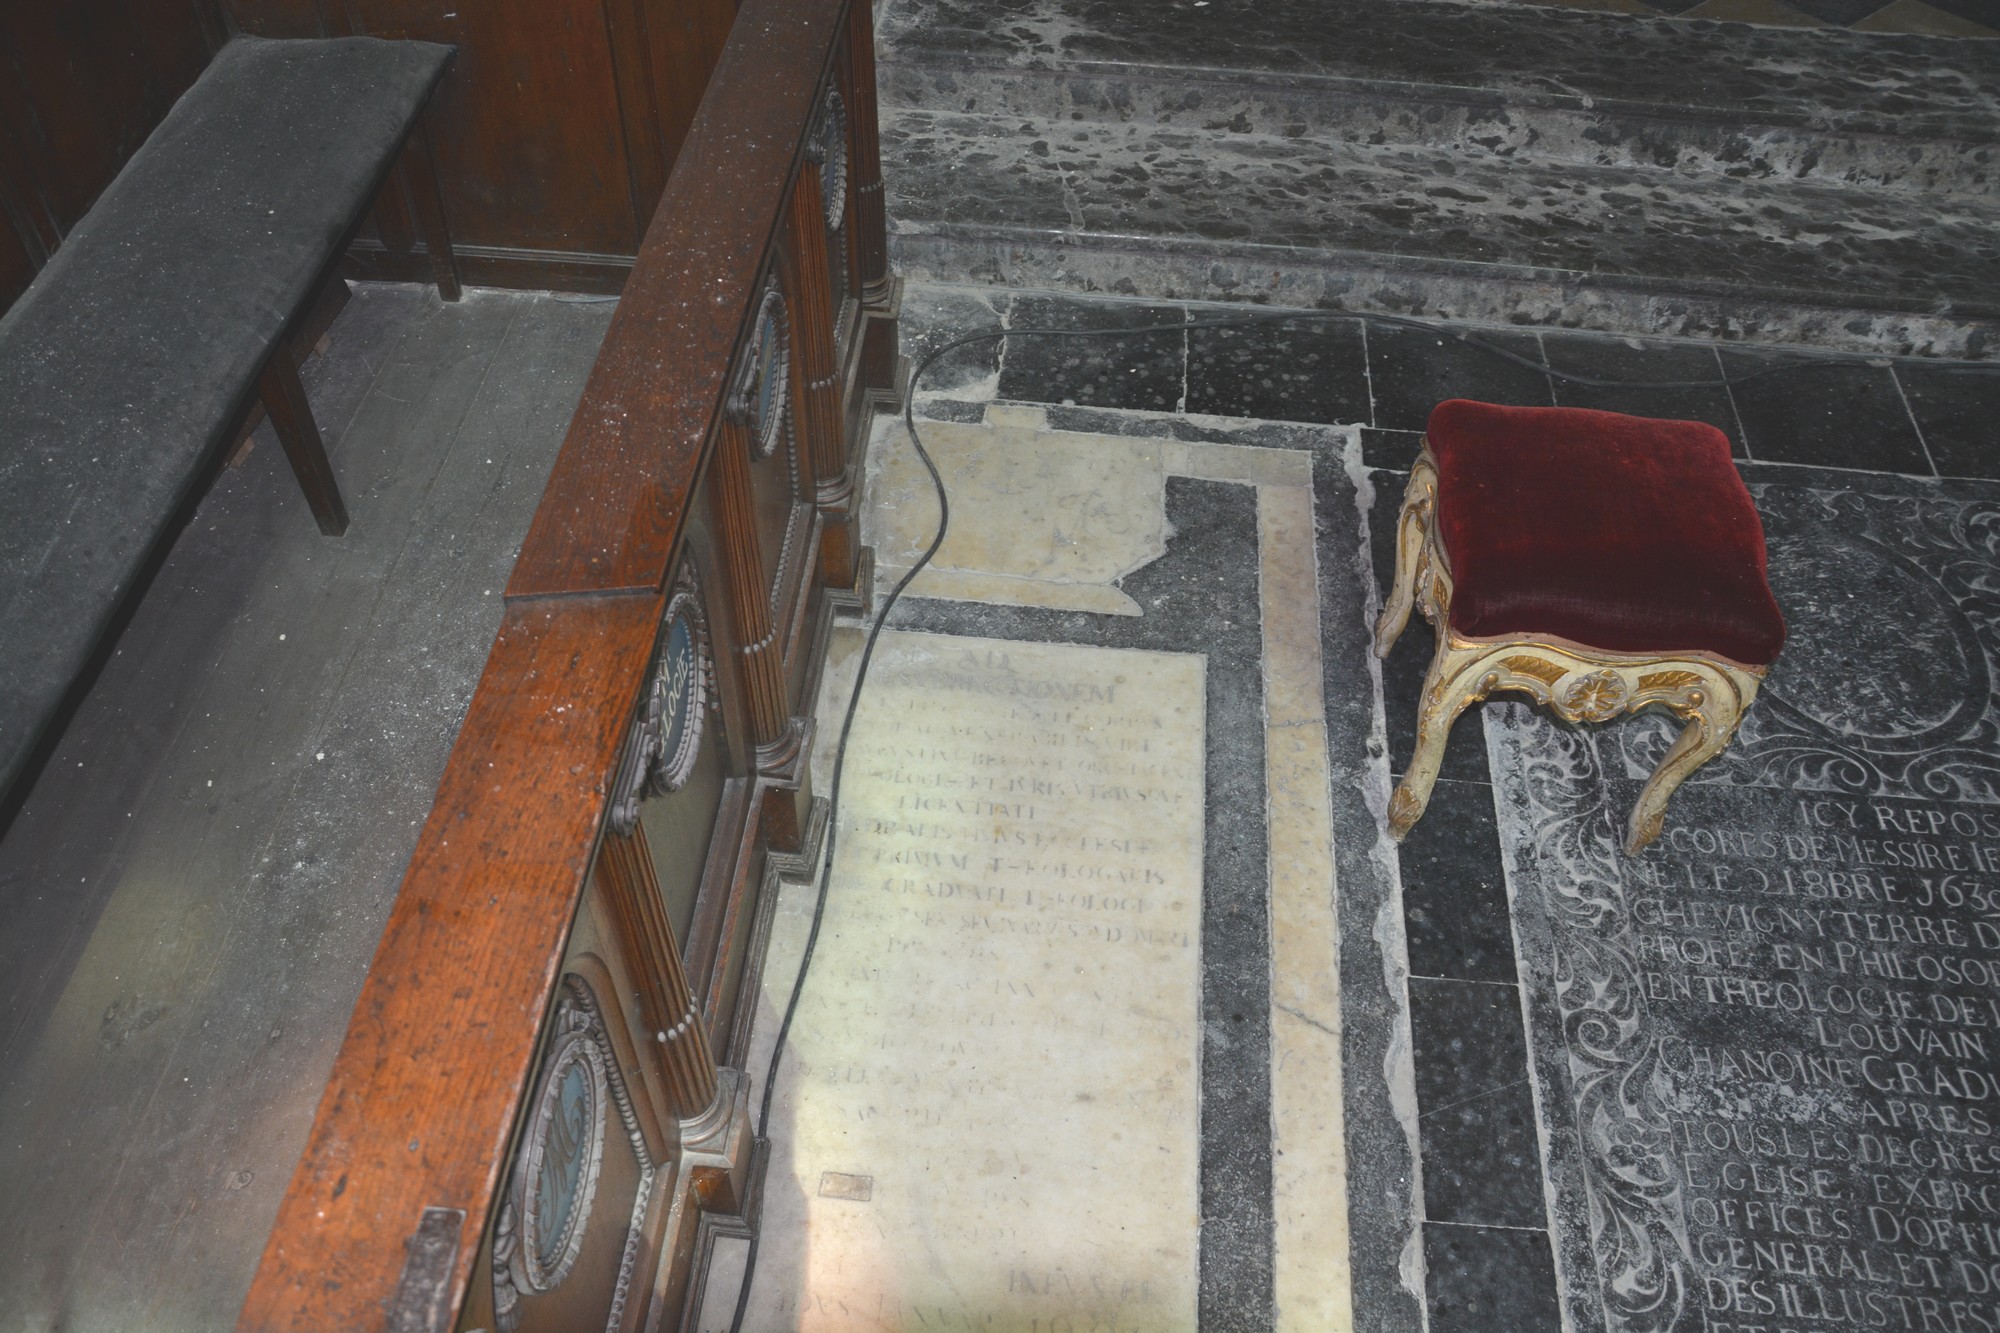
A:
[536, 1119]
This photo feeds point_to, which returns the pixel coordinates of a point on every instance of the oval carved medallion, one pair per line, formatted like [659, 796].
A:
[758, 401]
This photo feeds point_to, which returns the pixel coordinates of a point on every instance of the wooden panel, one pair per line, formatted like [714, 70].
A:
[687, 39]
[554, 136]
[555, 129]
[17, 267]
[647, 409]
[645, 151]
[82, 83]
[527, 121]
[25, 237]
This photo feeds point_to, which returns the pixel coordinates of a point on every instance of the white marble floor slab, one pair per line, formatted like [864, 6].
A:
[1051, 518]
[988, 1115]
[1035, 520]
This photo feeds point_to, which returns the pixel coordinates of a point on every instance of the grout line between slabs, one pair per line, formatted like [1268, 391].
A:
[1902, 396]
[1486, 1226]
[1368, 372]
[1465, 981]
[1735, 412]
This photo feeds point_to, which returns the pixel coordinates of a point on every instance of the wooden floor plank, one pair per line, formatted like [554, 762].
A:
[169, 1049]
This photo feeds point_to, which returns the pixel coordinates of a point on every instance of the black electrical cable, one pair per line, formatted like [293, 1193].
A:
[944, 523]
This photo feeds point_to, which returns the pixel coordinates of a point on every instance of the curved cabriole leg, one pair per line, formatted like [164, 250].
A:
[1411, 526]
[1455, 680]
[1711, 717]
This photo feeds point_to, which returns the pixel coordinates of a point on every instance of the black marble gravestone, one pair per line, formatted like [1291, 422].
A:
[1766, 1053]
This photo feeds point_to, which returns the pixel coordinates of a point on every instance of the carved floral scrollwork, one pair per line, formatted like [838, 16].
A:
[1611, 1057]
[1861, 703]
[666, 736]
[1596, 697]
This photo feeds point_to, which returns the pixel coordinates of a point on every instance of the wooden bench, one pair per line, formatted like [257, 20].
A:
[129, 364]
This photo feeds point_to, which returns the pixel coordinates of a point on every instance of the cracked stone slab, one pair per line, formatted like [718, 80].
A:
[1177, 212]
[1907, 87]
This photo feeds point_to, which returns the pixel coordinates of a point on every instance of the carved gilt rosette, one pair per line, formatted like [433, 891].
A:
[666, 735]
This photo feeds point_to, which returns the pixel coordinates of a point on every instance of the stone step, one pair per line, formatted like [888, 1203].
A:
[1186, 213]
[1830, 106]
[1484, 163]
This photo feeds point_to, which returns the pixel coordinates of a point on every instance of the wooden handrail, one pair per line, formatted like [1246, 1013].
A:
[657, 389]
[383, 1220]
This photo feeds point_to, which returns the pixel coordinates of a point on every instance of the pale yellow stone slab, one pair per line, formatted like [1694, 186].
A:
[1288, 594]
[1005, 590]
[1237, 462]
[990, 1113]
[1035, 515]
[1312, 1278]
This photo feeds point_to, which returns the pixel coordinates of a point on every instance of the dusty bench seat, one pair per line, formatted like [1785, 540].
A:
[128, 363]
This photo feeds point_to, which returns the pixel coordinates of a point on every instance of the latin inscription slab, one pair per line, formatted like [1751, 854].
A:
[1001, 1034]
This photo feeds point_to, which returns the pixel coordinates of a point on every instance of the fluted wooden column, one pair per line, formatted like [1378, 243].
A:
[758, 652]
[817, 400]
[665, 1000]
[871, 235]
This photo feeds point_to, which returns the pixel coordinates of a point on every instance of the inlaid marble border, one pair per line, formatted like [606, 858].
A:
[1379, 1100]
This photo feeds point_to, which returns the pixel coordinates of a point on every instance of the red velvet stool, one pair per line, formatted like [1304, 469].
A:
[1599, 563]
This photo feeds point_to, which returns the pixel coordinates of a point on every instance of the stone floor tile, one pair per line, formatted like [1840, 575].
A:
[1831, 413]
[1391, 450]
[1308, 372]
[1919, 19]
[935, 315]
[1454, 890]
[1958, 411]
[1476, 1114]
[1413, 370]
[1643, 362]
[1840, 13]
[1490, 1280]
[1143, 372]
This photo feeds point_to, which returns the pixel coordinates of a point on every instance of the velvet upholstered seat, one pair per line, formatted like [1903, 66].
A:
[1621, 533]
[1600, 563]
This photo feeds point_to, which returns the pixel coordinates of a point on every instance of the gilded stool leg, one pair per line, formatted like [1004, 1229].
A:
[1412, 528]
[1710, 714]
[1456, 679]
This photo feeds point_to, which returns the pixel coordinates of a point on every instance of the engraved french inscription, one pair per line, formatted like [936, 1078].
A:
[1001, 1031]
[1774, 1037]
[1826, 986]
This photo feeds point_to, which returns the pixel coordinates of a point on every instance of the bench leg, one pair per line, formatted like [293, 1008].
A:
[420, 175]
[291, 416]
